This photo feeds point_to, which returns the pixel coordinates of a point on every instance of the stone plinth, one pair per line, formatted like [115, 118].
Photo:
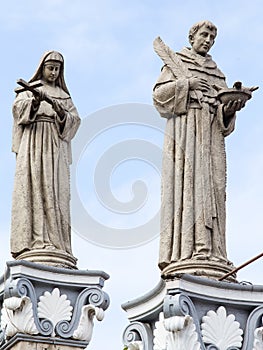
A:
[46, 308]
[192, 313]
[43, 346]
[22, 342]
[201, 268]
[56, 258]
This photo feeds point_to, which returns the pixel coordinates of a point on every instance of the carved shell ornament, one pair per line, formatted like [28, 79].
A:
[221, 330]
[54, 307]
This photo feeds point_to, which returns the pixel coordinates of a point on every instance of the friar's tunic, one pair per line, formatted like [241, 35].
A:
[41, 140]
[194, 163]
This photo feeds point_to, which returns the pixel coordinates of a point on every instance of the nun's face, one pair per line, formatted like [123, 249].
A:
[51, 71]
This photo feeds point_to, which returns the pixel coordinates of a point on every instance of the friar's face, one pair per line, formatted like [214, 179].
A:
[203, 40]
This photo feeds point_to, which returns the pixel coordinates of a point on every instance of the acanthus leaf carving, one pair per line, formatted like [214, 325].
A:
[258, 339]
[85, 328]
[136, 345]
[159, 334]
[221, 330]
[54, 307]
[17, 317]
[176, 332]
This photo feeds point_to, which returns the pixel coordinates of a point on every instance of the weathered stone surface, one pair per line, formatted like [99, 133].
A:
[26, 345]
[194, 160]
[56, 258]
[45, 121]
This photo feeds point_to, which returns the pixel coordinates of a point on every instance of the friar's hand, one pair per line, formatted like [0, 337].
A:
[232, 107]
[197, 83]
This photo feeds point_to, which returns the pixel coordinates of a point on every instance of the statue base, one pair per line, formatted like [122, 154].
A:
[46, 307]
[21, 342]
[202, 268]
[56, 258]
[190, 312]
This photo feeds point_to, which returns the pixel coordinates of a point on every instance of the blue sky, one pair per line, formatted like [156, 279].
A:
[110, 61]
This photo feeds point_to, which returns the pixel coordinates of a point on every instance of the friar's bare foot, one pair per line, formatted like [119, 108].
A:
[200, 256]
[50, 247]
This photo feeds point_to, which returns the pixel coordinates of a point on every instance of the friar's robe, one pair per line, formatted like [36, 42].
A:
[194, 162]
[41, 140]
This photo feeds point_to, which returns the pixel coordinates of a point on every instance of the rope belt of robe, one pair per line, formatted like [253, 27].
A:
[44, 118]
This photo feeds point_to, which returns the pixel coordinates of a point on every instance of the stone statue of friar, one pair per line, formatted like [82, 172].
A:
[194, 160]
[45, 121]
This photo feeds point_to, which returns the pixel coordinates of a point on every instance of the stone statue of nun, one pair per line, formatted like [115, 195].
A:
[45, 122]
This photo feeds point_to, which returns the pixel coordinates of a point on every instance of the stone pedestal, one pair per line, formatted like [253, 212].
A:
[46, 308]
[40, 343]
[194, 313]
[202, 268]
[56, 258]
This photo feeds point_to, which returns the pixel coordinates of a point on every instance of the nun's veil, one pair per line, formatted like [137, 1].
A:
[51, 56]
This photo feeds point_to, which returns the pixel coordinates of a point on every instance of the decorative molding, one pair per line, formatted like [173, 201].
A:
[177, 305]
[89, 296]
[85, 328]
[196, 297]
[54, 307]
[181, 304]
[176, 332]
[253, 321]
[138, 334]
[221, 330]
[56, 301]
[23, 287]
[17, 317]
